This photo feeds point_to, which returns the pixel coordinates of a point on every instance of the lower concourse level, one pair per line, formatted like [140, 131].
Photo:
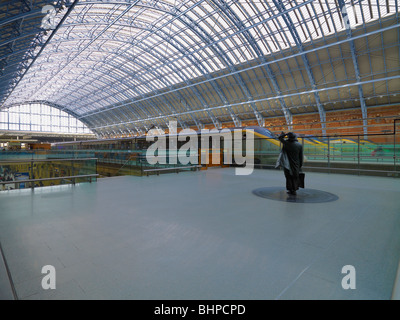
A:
[203, 235]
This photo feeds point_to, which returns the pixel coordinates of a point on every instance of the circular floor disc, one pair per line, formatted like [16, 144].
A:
[302, 196]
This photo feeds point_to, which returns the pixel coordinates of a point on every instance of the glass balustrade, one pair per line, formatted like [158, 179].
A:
[20, 173]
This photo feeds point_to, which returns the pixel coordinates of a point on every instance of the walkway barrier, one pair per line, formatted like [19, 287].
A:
[90, 176]
[176, 169]
[31, 173]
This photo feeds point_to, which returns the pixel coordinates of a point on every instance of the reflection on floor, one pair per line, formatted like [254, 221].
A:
[201, 235]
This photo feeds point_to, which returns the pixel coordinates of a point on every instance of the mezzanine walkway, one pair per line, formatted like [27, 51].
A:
[201, 235]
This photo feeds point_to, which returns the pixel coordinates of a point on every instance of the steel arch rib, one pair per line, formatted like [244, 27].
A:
[195, 62]
[356, 68]
[253, 44]
[280, 6]
[203, 100]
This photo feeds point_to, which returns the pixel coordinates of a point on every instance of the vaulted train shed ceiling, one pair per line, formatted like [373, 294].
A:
[123, 66]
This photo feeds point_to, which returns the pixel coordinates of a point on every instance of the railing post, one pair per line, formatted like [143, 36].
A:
[394, 148]
[32, 183]
[358, 153]
[394, 152]
[73, 171]
[328, 155]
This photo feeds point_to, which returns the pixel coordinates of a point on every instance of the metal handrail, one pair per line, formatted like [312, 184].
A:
[45, 160]
[332, 168]
[48, 179]
[170, 168]
[350, 169]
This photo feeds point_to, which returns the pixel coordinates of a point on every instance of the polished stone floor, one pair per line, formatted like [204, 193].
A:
[201, 235]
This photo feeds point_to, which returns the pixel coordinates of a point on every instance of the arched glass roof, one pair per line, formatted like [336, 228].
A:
[122, 66]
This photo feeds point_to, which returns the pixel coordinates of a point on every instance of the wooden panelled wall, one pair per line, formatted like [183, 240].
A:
[380, 120]
[345, 122]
